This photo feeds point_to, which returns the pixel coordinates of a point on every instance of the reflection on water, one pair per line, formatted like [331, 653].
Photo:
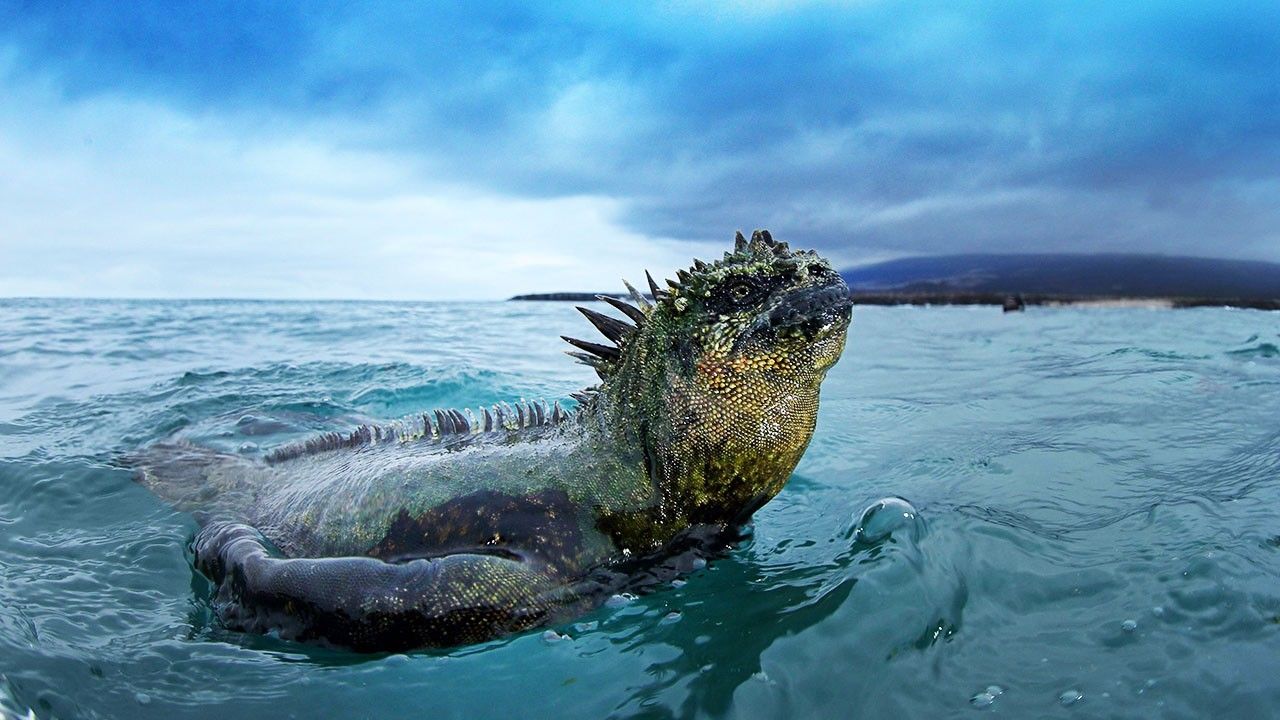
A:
[1093, 526]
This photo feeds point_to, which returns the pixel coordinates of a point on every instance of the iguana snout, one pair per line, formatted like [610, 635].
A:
[807, 313]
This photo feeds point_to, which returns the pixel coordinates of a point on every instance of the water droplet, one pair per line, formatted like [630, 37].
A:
[699, 563]
[551, 636]
[1158, 611]
[995, 690]
[982, 700]
[1129, 625]
[142, 698]
[885, 517]
[678, 583]
[583, 627]
[669, 618]
[1070, 697]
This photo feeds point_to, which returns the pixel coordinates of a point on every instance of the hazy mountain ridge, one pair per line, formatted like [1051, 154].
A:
[1071, 275]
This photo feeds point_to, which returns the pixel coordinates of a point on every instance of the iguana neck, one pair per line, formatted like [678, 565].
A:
[714, 454]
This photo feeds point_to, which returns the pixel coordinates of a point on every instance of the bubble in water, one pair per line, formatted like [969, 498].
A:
[1129, 625]
[1158, 611]
[669, 618]
[551, 636]
[142, 698]
[995, 690]
[885, 517]
[1070, 697]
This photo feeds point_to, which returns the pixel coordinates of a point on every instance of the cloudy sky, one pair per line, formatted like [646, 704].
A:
[383, 150]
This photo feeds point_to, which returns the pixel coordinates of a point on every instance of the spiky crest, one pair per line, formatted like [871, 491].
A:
[654, 290]
[640, 300]
[450, 425]
[612, 328]
[605, 352]
[604, 359]
[761, 248]
[636, 314]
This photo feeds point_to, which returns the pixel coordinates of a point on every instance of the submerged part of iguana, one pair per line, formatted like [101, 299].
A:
[455, 528]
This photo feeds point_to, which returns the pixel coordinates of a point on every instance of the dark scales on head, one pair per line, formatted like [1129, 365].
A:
[525, 514]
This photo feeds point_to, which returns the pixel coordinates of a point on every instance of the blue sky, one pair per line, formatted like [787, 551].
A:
[386, 150]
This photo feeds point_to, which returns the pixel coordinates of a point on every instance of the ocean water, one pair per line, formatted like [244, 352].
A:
[1090, 524]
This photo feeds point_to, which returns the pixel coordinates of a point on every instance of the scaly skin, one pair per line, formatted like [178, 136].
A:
[460, 530]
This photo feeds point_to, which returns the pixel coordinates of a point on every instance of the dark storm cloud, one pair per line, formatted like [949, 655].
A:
[877, 127]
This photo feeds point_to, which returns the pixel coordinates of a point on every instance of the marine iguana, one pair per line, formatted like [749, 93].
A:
[456, 527]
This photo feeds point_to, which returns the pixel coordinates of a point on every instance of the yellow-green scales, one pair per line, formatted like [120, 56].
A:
[454, 528]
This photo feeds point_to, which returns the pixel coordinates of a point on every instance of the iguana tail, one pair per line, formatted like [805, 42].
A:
[192, 478]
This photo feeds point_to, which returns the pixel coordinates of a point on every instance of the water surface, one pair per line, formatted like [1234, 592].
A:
[1096, 532]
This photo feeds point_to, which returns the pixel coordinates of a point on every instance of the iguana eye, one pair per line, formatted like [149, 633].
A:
[741, 294]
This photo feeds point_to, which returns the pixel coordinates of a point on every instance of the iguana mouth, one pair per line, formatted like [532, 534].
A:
[811, 313]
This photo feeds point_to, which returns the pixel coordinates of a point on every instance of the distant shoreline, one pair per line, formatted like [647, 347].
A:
[984, 298]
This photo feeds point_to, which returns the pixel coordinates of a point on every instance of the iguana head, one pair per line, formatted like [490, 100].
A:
[719, 378]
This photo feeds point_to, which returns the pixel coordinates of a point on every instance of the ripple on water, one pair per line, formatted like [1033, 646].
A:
[987, 697]
[1258, 350]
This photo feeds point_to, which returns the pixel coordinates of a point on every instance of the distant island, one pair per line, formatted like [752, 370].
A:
[1080, 275]
[1051, 279]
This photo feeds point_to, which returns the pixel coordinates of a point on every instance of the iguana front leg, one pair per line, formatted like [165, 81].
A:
[367, 604]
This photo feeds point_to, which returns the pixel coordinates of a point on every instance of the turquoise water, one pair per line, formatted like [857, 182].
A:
[1096, 501]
